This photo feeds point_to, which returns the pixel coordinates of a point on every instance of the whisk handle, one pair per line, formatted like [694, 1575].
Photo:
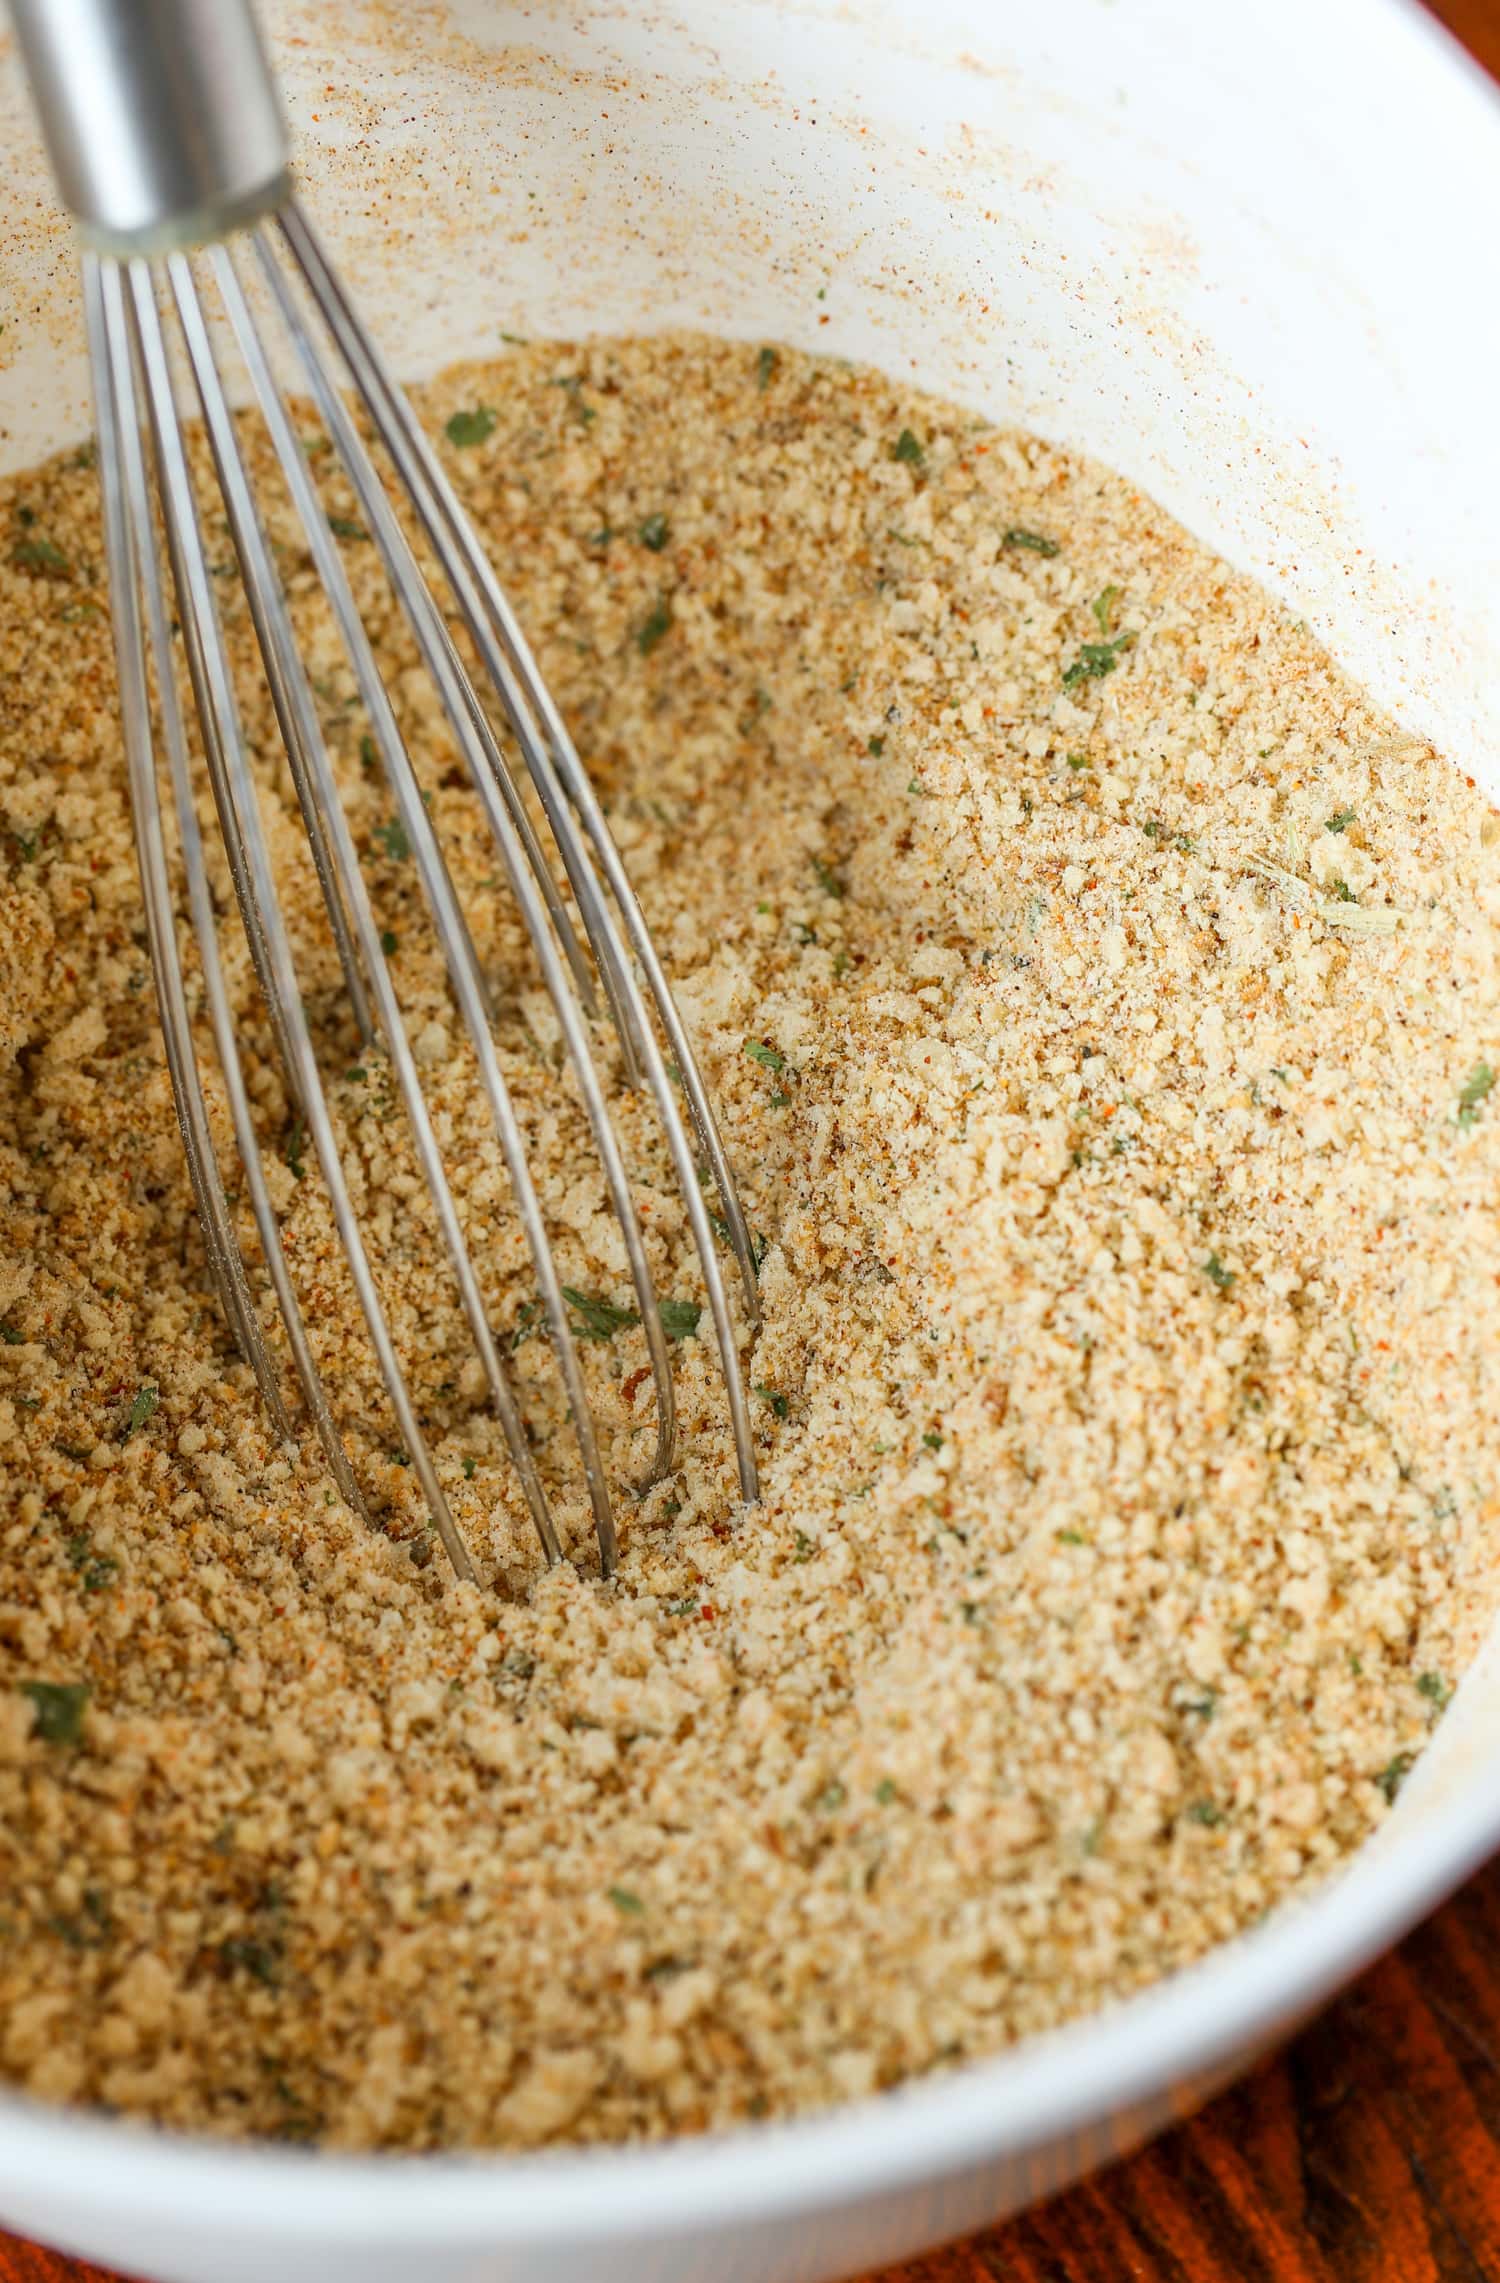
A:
[161, 117]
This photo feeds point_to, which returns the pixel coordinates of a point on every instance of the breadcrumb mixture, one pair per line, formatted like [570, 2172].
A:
[1100, 999]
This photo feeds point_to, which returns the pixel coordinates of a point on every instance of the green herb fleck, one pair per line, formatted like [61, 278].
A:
[769, 1057]
[679, 1318]
[92, 1929]
[1070, 1538]
[885, 1792]
[1078, 760]
[1394, 1774]
[96, 1571]
[1038, 545]
[345, 527]
[1343, 891]
[1206, 1811]
[1217, 1274]
[1473, 1093]
[11, 1337]
[57, 1709]
[1434, 1688]
[1340, 820]
[466, 428]
[908, 447]
[141, 1409]
[1094, 661]
[393, 839]
[780, 1407]
[832, 1797]
[654, 532]
[369, 753]
[828, 880]
[573, 384]
[1103, 608]
[630, 1905]
[261, 1960]
[651, 632]
[877, 746]
[40, 555]
[469, 1466]
[597, 1319]
[933, 1439]
[388, 942]
[803, 1548]
[765, 367]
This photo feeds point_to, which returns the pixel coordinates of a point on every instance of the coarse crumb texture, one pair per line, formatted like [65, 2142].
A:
[1101, 1001]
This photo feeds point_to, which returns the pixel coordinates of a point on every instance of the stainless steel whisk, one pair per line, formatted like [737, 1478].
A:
[166, 136]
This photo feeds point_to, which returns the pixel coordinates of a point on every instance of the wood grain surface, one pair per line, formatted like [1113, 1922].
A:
[1367, 2152]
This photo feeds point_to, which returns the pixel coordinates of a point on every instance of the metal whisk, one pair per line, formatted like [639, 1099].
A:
[167, 139]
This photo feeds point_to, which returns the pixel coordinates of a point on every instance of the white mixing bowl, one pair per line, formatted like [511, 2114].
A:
[1240, 254]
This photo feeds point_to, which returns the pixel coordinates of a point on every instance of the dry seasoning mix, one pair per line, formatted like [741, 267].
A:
[1099, 997]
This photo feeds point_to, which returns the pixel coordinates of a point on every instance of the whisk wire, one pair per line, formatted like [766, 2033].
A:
[457, 697]
[147, 480]
[551, 756]
[120, 357]
[135, 714]
[158, 146]
[241, 816]
[525, 830]
[460, 958]
[240, 821]
[258, 573]
[554, 766]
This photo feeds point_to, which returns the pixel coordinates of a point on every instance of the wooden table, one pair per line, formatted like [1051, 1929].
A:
[1368, 2152]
